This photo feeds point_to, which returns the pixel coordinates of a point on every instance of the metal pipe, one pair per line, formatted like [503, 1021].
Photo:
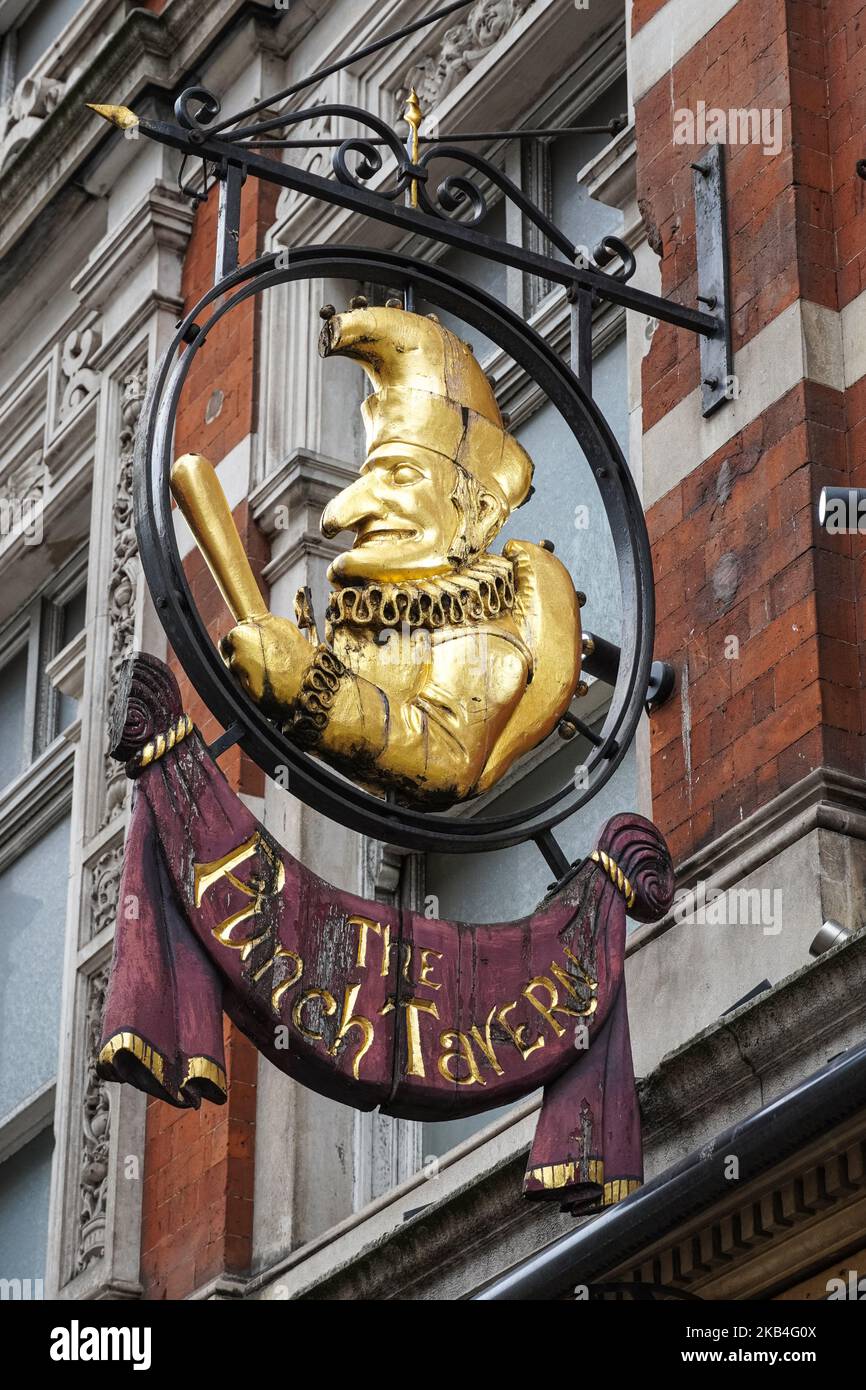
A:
[769, 1136]
[600, 658]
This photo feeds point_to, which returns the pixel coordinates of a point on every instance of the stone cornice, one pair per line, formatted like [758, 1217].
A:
[287, 506]
[147, 50]
[825, 799]
[763, 1046]
[163, 218]
[306, 478]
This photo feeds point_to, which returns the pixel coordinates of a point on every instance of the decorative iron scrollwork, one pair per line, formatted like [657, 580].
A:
[358, 159]
[197, 121]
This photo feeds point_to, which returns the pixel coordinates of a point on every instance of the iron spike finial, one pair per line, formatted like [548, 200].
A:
[413, 116]
[120, 116]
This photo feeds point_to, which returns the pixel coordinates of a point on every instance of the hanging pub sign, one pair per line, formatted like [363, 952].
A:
[441, 661]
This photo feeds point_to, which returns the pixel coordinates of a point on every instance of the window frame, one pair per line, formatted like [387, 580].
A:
[37, 627]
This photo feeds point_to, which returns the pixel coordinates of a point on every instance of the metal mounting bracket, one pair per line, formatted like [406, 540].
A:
[711, 244]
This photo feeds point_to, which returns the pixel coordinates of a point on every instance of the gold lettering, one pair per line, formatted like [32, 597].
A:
[458, 1048]
[257, 890]
[486, 1043]
[365, 925]
[413, 1007]
[517, 1035]
[428, 965]
[282, 953]
[329, 1006]
[553, 1007]
[348, 1021]
[568, 980]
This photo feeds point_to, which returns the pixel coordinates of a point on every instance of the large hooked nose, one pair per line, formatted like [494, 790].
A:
[349, 509]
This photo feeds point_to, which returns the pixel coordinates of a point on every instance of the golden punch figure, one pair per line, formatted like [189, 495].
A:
[442, 661]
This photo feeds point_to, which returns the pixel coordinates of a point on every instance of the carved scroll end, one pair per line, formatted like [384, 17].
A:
[147, 720]
[632, 849]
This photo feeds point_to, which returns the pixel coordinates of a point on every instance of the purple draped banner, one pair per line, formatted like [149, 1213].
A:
[368, 1004]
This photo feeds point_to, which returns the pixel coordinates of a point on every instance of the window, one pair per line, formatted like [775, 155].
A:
[25, 1180]
[35, 797]
[34, 710]
[33, 890]
[27, 30]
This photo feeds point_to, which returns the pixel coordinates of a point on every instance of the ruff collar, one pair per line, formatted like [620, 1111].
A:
[484, 588]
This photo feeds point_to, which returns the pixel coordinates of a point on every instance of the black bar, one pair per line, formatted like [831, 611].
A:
[603, 660]
[553, 855]
[595, 739]
[229, 222]
[451, 233]
[334, 142]
[227, 740]
[346, 62]
[581, 336]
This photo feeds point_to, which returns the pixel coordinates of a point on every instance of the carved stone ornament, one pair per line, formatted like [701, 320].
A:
[105, 883]
[79, 381]
[124, 567]
[33, 100]
[96, 1122]
[460, 49]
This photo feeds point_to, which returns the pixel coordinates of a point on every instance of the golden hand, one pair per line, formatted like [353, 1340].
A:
[270, 657]
[268, 654]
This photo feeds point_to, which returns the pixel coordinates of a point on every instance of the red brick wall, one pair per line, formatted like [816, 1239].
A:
[199, 1165]
[845, 38]
[642, 10]
[736, 545]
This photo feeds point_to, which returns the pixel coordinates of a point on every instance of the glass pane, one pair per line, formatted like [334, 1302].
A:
[72, 625]
[41, 27]
[73, 617]
[13, 692]
[32, 928]
[441, 1135]
[25, 1179]
[581, 217]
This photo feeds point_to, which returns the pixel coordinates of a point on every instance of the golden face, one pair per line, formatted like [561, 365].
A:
[403, 513]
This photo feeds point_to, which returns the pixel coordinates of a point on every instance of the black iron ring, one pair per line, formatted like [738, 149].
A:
[309, 779]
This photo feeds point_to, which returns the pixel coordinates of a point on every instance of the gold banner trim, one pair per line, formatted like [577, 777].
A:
[615, 874]
[202, 1068]
[142, 1051]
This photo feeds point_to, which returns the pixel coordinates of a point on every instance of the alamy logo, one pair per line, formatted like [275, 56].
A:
[706, 906]
[23, 1290]
[739, 126]
[851, 1288]
[77, 1343]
